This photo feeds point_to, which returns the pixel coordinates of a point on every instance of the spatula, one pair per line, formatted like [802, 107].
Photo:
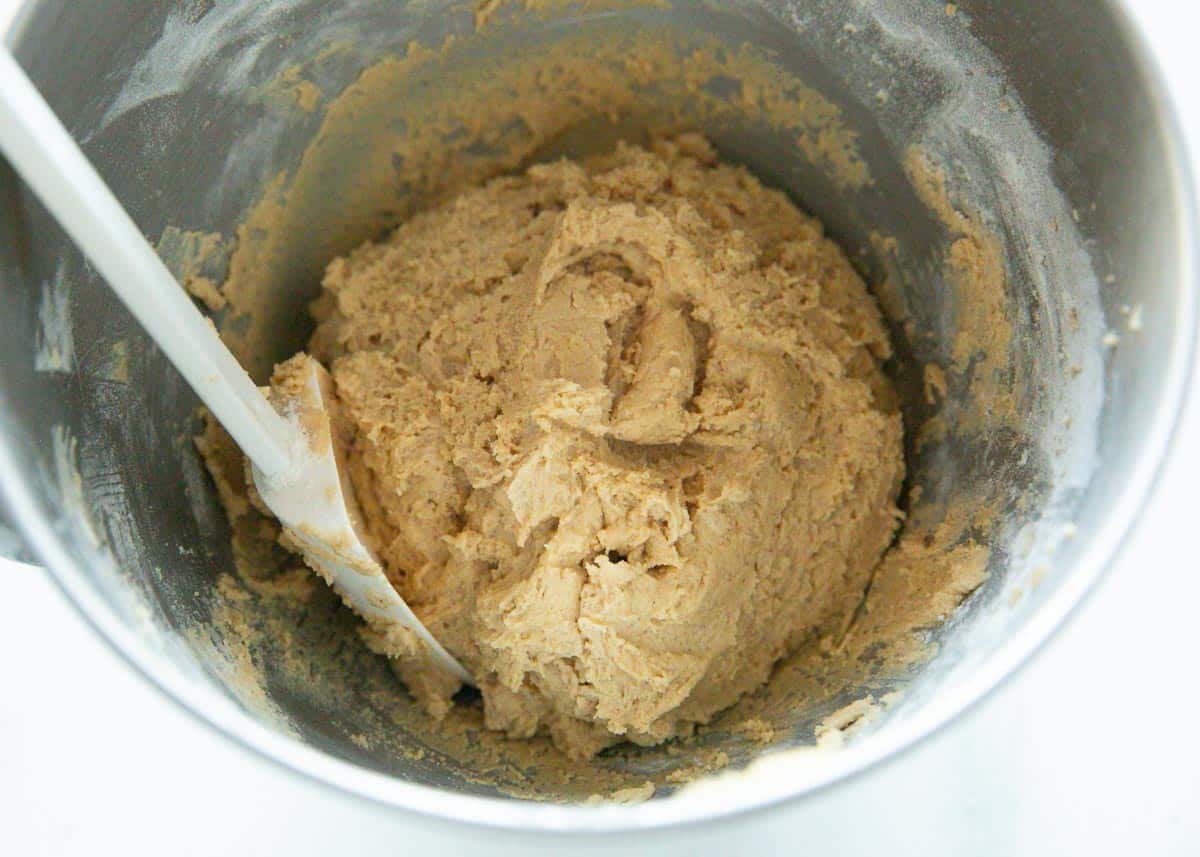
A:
[294, 454]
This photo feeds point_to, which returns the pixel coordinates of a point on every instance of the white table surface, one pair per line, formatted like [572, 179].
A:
[1093, 748]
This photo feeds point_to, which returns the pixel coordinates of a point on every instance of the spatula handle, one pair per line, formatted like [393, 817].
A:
[43, 153]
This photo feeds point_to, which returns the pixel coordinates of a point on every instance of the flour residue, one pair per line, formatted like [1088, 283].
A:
[485, 10]
[55, 339]
[184, 50]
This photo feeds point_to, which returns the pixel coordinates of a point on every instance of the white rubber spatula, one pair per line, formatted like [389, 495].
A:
[295, 460]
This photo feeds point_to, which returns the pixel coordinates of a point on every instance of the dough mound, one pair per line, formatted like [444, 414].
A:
[620, 435]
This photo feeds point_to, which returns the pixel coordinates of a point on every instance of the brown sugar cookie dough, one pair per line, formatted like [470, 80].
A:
[620, 434]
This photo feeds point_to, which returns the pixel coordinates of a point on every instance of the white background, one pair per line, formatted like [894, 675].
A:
[1093, 748]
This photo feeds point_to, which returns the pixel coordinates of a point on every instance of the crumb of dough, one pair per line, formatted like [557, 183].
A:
[707, 764]
[934, 383]
[620, 434]
[756, 729]
[831, 733]
[206, 291]
[633, 794]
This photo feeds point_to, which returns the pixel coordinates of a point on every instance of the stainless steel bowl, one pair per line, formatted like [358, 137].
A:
[1057, 135]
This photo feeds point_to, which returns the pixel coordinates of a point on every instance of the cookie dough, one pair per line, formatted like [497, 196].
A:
[620, 436]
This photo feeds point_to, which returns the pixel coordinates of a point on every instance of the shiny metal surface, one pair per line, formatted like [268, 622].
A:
[1089, 95]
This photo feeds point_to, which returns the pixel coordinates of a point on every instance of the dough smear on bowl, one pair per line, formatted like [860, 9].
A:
[620, 435]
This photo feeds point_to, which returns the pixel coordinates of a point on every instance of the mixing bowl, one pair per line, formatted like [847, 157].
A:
[1033, 136]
